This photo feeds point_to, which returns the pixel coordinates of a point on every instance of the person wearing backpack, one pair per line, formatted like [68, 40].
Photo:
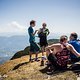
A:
[76, 44]
[61, 53]
[42, 34]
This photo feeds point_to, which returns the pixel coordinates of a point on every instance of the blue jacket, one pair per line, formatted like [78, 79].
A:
[76, 45]
[30, 32]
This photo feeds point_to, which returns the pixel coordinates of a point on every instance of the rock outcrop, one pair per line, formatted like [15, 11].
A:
[21, 69]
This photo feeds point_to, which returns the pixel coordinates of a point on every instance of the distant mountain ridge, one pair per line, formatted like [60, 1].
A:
[14, 43]
[10, 45]
[26, 50]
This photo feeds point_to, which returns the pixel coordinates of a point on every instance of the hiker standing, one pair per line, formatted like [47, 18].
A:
[42, 34]
[34, 47]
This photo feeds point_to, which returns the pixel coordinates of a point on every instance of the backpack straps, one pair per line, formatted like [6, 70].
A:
[63, 56]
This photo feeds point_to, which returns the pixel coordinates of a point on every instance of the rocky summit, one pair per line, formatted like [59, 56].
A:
[22, 69]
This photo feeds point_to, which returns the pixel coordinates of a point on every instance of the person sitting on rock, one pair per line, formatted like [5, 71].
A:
[59, 53]
[76, 44]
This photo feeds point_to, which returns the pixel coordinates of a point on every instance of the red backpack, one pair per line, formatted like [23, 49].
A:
[63, 57]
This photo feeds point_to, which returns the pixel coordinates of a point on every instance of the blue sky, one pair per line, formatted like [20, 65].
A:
[61, 16]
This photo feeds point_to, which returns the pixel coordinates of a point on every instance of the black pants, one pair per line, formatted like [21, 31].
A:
[53, 61]
[43, 41]
[73, 60]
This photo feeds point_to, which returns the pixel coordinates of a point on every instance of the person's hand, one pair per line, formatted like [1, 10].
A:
[79, 55]
[36, 31]
[46, 48]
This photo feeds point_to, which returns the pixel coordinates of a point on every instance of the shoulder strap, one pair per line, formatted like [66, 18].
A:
[64, 49]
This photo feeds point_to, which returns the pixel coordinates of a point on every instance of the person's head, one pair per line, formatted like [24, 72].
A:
[44, 25]
[63, 39]
[32, 23]
[73, 36]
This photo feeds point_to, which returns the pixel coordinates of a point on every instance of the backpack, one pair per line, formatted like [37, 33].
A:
[63, 57]
[41, 34]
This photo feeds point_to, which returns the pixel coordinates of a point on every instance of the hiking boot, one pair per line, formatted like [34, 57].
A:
[46, 63]
[42, 63]
[43, 58]
[50, 71]
[31, 60]
[37, 60]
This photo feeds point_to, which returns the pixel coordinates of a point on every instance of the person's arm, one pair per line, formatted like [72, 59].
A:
[52, 46]
[34, 32]
[31, 32]
[72, 49]
[39, 31]
[48, 32]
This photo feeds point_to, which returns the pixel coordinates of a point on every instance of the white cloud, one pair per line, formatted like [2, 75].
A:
[13, 27]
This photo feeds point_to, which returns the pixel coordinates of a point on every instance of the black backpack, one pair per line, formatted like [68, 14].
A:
[63, 57]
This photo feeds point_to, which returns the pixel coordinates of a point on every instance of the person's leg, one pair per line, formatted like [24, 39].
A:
[30, 54]
[47, 52]
[37, 49]
[36, 55]
[43, 57]
[52, 58]
[42, 49]
[31, 51]
[73, 60]
[52, 65]
[53, 61]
